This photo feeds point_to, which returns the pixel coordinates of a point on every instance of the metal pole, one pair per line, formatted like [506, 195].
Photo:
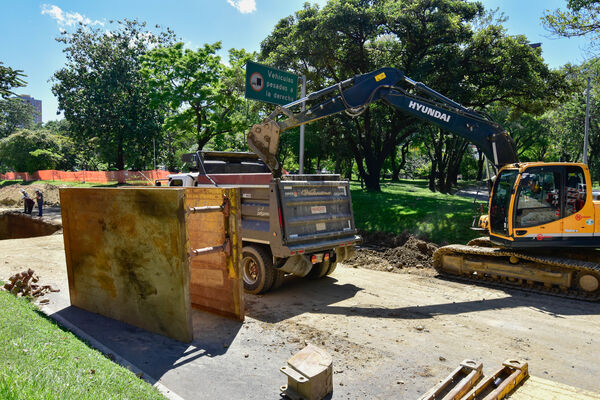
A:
[301, 156]
[154, 145]
[587, 124]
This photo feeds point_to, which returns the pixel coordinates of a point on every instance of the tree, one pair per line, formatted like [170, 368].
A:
[350, 37]
[431, 41]
[10, 79]
[15, 113]
[199, 90]
[567, 121]
[581, 19]
[71, 156]
[104, 95]
[31, 150]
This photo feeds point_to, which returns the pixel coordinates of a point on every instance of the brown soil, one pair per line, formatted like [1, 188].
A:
[16, 225]
[11, 195]
[392, 336]
[394, 253]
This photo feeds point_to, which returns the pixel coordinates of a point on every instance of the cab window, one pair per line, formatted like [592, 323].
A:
[575, 190]
[501, 196]
[176, 182]
[539, 197]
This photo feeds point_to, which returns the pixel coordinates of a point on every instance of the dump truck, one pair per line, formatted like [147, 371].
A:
[291, 224]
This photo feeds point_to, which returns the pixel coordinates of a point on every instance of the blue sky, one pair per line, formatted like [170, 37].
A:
[28, 29]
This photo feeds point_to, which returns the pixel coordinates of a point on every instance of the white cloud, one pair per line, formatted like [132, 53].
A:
[67, 18]
[243, 6]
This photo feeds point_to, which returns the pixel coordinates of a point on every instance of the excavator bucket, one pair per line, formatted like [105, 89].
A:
[146, 256]
[263, 139]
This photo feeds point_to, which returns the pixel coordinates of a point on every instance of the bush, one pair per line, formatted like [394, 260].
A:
[31, 150]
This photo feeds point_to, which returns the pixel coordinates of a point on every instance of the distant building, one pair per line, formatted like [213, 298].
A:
[35, 103]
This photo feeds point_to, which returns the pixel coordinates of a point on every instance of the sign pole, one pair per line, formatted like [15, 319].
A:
[301, 156]
[587, 124]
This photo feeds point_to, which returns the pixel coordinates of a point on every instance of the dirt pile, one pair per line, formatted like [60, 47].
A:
[413, 253]
[383, 239]
[393, 253]
[25, 284]
[11, 195]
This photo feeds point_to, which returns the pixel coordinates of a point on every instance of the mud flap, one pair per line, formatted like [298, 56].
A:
[132, 254]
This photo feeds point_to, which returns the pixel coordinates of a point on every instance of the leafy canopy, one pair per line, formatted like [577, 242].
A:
[104, 96]
[15, 113]
[31, 150]
[582, 18]
[450, 45]
[10, 79]
[201, 93]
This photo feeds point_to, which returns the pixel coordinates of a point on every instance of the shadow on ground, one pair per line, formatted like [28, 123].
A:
[153, 353]
[214, 335]
[299, 296]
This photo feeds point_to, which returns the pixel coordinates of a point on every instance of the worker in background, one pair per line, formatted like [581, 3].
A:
[28, 202]
[39, 197]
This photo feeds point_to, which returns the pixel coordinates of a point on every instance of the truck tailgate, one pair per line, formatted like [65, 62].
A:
[314, 212]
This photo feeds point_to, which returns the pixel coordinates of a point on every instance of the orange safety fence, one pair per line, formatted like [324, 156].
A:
[139, 177]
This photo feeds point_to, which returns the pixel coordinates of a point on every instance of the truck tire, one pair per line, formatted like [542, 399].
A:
[257, 269]
[319, 270]
[332, 266]
[278, 280]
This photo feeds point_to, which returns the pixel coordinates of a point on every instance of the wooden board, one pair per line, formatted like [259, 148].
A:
[128, 255]
[542, 389]
[216, 280]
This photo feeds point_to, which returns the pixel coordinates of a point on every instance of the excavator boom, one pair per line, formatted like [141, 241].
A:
[354, 95]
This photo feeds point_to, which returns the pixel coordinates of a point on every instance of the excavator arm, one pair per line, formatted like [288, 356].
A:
[356, 94]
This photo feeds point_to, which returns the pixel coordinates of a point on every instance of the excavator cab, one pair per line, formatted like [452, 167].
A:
[542, 205]
[541, 218]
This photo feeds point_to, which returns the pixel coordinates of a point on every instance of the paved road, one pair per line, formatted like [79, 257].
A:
[481, 193]
[390, 335]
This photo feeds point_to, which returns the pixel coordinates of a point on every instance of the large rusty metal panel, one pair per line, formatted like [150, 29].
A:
[128, 255]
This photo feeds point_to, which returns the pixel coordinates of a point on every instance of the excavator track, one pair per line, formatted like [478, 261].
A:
[539, 272]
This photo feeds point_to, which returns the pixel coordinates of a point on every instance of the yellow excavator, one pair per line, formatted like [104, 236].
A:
[543, 223]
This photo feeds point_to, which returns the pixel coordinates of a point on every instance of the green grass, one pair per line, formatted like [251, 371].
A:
[40, 360]
[410, 206]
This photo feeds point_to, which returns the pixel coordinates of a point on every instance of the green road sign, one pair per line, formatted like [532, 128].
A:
[270, 85]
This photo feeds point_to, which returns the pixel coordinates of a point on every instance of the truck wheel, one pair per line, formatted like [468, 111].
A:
[319, 270]
[278, 280]
[332, 266]
[257, 270]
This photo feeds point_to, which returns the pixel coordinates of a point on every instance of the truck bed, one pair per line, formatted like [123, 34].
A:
[298, 213]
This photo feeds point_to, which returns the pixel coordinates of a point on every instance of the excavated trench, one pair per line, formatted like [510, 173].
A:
[14, 225]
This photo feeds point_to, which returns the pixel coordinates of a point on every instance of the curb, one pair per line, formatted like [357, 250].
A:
[165, 391]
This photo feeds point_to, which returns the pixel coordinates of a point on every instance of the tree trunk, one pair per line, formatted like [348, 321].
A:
[372, 182]
[397, 167]
[120, 165]
[348, 170]
[480, 161]
[307, 165]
